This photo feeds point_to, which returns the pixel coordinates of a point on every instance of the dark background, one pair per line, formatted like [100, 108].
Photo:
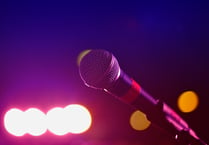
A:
[163, 45]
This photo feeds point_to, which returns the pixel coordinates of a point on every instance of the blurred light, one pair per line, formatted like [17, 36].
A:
[14, 122]
[59, 121]
[35, 122]
[81, 55]
[138, 121]
[56, 121]
[188, 101]
[78, 118]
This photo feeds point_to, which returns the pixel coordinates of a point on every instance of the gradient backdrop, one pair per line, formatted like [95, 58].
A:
[162, 45]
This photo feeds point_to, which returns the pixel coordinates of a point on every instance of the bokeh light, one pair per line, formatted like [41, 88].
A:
[79, 119]
[139, 121]
[81, 55]
[73, 118]
[188, 101]
[14, 122]
[56, 121]
[35, 122]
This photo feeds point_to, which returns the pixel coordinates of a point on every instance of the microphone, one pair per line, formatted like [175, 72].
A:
[99, 69]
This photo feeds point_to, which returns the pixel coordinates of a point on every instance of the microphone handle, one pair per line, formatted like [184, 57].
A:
[158, 112]
[165, 117]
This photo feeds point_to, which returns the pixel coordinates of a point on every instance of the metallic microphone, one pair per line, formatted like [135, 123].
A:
[99, 69]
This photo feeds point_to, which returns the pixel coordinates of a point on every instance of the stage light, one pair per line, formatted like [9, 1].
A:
[14, 122]
[139, 121]
[73, 118]
[56, 121]
[35, 122]
[78, 118]
[188, 101]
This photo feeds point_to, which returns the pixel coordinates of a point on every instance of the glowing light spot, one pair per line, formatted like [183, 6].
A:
[14, 122]
[59, 121]
[35, 122]
[188, 101]
[78, 118]
[56, 121]
[138, 121]
[81, 55]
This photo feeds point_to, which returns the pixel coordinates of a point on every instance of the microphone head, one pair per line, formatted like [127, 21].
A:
[99, 69]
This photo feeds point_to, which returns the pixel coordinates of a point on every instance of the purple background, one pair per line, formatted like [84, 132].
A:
[162, 45]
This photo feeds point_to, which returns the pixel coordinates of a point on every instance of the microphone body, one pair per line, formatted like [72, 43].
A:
[129, 91]
[99, 69]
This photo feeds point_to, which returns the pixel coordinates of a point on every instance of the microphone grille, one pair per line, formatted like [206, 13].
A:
[99, 69]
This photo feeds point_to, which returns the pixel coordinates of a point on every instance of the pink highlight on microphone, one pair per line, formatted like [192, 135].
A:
[132, 93]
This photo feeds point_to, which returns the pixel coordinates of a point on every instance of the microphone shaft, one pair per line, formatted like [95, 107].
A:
[158, 112]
